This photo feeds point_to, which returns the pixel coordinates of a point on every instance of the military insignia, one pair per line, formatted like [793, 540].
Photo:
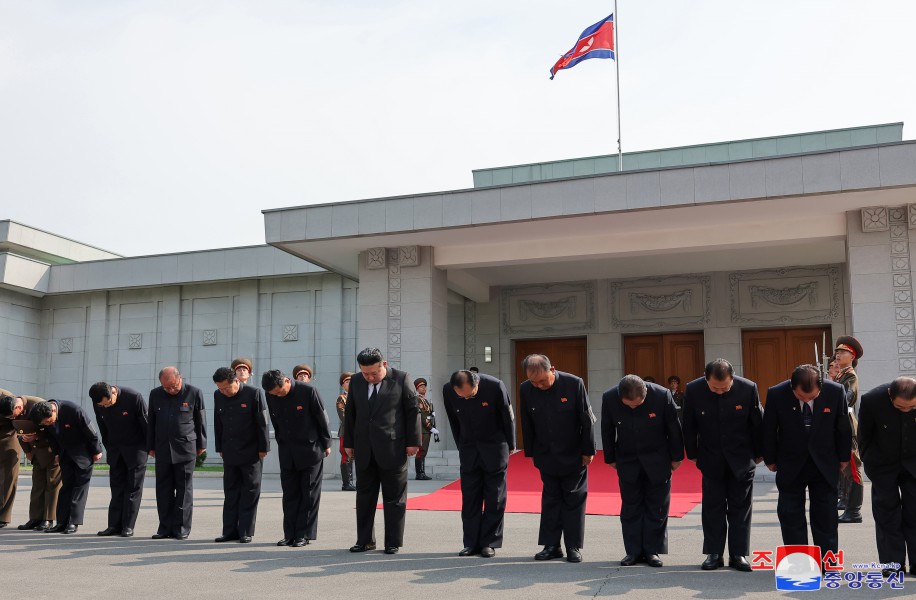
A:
[298, 408]
[826, 410]
[485, 404]
[563, 400]
[651, 415]
[244, 406]
[124, 413]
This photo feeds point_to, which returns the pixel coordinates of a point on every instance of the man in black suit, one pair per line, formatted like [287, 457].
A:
[381, 431]
[558, 433]
[723, 435]
[887, 442]
[122, 418]
[242, 441]
[77, 447]
[806, 441]
[304, 440]
[176, 435]
[480, 414]
[642, 441]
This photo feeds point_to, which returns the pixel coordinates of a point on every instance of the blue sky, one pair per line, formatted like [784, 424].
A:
[159, 126]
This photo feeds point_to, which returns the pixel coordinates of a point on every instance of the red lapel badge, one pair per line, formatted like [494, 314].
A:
[184, 403]
[563, 400]
[826, 410]
[651, 415]
[737, 407]
[244, 406]
[298, 408]
[67, 425]
[124, 413]
[485, 404]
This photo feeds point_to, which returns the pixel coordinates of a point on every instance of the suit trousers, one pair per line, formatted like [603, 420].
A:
[790, 508]
[726, 512]
[393, 483]
[563, 509]
[175, 496]
[126, 494]
[483, 506]
[893, 505]
[644, 515]
[301, 499]
[45, 485]
[74, 491]
[9, 477]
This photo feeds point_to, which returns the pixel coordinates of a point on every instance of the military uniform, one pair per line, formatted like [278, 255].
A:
[642, 443]
[484, 430]
[9, 465]
[428, 423]
[177, 431]
[123, 427]
[558, 430]
[851, 477]
[45, 473]
[346, 463]
[240, 422]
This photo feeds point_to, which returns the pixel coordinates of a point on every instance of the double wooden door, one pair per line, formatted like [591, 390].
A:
[662, 355]
[770, 355]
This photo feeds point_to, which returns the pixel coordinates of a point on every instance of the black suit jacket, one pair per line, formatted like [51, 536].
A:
[73, 437]
[483, 426]
[785, 442]
[887, 436]
[557, 424]
[123, 427]
[177, 424]
[385, 429]
[647, 437]
[241, 425]
[723, 430]
[300, 426]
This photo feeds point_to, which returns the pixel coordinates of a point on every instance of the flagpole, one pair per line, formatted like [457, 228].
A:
[617, 65]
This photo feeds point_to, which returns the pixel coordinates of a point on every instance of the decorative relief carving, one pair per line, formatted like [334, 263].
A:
[911, 215]
[375, 258]
[209, 337]
[661, 302]
[560, 307]
[785, 296]
[290, 333]
[901, 219]
[65, 345]
[874, 219]
[896, 214]
[408, 256]
[135, 341]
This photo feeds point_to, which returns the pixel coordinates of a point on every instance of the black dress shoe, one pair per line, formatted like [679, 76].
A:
[245, 539]
[391, 549]
[3, 524]
[107, 531]
[56, 529]
[161, 536]
[299, 542]
[30, 524]
[573, 555]
[469, 551]
[70, 529]
[128, 532]
[631, 559]
[181, 536]
[850, 516]
[548, 553]
[226, 538]
[423, 477]
[487, 552]
[712, 562]
[654, 561]
[739, 563]
[283, 542]
[348, 487]
[44, 526]
[362, 547]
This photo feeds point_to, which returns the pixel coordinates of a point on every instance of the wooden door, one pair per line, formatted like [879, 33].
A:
[770, 355]
[566, 354]
[662, 355]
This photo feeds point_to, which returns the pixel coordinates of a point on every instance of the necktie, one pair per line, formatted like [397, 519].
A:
[373, 394]
[807, 417]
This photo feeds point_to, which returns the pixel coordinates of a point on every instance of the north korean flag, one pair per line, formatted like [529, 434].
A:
[595, 42]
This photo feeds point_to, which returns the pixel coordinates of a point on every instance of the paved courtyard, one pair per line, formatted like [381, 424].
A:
[87, 566]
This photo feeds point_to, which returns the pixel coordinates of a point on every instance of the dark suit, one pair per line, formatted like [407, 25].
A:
[177, 430]
[240, 422]
[75, 441]
[887, 442]
[380, 433]
[724, 435]
[123, 426]
[558, 430]
[484, 430]
[807, 460]
[301, 430]
[642, 443]
[45, 471]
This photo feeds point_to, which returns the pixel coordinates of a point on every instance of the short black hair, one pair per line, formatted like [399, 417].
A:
[464, 377]
[806, 377]
[674, 378]
[903, 388]
[474, 369]
[99, 391]
[719, 369]
[7, 404]
[632, 387]
[40, 412]
[224, 374]
[272, 379]
[369, 356]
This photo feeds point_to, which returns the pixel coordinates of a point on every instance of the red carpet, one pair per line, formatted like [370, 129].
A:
[524, 485]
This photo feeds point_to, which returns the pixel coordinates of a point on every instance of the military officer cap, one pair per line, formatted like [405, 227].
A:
[242, 362]
[300, 368]
[418, 381]
[850, 344]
